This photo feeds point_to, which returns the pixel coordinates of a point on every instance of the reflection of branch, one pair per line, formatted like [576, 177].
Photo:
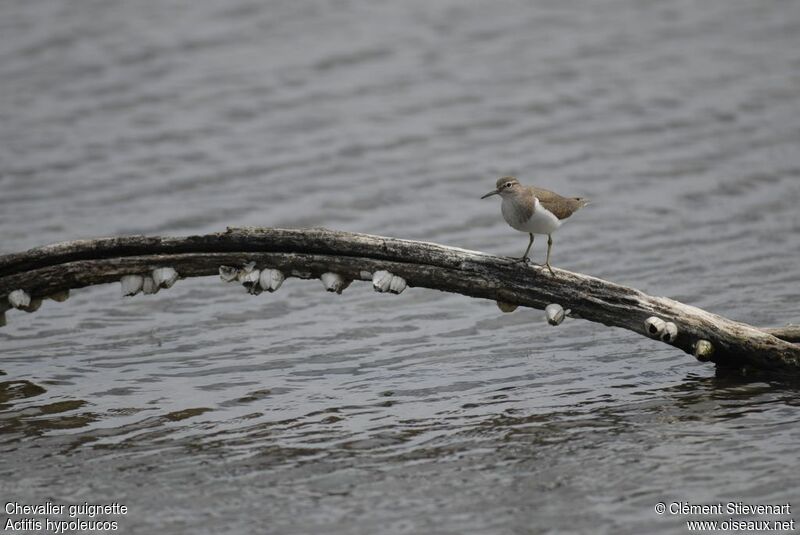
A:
[310, 253]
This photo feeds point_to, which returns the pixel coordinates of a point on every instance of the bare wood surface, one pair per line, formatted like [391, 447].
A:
[308, 253]
[789, 333]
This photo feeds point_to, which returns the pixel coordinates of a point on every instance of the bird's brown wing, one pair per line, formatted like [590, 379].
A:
[561, 207]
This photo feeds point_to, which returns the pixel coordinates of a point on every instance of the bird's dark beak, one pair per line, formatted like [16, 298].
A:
[495, 192]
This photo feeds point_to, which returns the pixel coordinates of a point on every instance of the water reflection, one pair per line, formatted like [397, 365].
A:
[13, 390]
[19, 418]
[501, 417]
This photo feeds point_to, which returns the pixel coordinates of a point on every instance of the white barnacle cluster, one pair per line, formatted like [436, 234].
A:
[670, 332]
[334, 282]
[253, 279]
[666, 331]
[270, 279]
[257, 280]
[555, 313]
[703, 350]
[248, 277]
[228, 273]
[131, 284]
[163, 277]
[21, 300]
[385, 281]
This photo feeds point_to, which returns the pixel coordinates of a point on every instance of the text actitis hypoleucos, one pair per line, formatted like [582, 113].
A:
[534, 210]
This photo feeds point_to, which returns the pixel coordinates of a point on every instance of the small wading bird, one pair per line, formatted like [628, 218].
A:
[534, 210]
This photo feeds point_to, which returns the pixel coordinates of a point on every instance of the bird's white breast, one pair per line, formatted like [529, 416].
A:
[542, 221]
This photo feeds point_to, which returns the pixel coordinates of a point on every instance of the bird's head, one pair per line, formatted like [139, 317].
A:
[506, 185]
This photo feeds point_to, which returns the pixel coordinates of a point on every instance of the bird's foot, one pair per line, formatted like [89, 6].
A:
[553, 273]
[524, 259]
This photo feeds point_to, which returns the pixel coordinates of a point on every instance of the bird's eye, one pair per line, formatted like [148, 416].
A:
[508, 184]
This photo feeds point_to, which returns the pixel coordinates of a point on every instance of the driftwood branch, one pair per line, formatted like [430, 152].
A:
[310, 253]
[790, 333]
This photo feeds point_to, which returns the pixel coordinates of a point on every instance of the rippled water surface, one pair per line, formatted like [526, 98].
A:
[206, 410]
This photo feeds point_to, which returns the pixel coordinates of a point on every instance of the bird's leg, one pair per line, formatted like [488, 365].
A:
[549, 246]
[525, 257]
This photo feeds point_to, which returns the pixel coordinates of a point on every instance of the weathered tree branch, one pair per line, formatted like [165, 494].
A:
[309, 253]
[790, 333]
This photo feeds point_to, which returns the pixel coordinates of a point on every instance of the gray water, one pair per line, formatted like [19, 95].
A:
[205, 410]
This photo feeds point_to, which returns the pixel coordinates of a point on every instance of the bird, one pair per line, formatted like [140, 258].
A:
[534, 210]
